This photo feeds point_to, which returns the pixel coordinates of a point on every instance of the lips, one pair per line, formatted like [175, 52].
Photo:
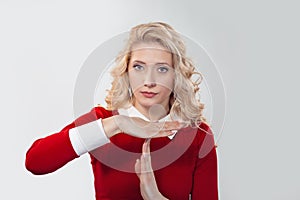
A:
[148, 94]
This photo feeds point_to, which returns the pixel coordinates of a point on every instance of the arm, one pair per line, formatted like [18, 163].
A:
[144, 171]
[50, 153]
[86, 133]
[205, 180]
[54, 151]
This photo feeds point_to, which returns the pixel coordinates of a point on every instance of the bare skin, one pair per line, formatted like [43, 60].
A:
[138, 127]
[151, 77]
[145, 173]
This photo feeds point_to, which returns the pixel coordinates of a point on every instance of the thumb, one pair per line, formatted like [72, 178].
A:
[137, 167]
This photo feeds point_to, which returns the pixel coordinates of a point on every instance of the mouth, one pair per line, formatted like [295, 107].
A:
[148, 94]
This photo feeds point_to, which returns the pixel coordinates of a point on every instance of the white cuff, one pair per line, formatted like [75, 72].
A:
[88, 137]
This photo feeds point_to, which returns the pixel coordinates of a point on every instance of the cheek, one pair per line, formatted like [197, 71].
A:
[135, 81]
[167, 82]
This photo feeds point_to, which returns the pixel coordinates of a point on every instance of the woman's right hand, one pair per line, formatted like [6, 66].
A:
[138, 127]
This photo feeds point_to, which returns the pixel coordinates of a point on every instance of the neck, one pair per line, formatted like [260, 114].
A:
[154, 112]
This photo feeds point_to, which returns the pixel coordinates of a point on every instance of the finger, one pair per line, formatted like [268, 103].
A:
[166, 125]
[137, 167]
[173, 125]
[162, 129]
[146, 157]
[146, 164]
[165, 133]
[146, 146]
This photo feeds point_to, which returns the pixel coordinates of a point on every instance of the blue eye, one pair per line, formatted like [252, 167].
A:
[138, 67]
[163, 69]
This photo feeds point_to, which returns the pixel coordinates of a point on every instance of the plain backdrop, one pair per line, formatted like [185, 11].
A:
[255, 45]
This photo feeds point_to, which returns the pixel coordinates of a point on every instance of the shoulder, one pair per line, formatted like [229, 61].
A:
[198, 134]
[206, 139]
[94, 114]
[205, 128]
[201, 130]
[102, 112]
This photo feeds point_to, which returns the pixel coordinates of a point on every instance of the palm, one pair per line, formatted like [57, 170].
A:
[145, 173]
[140, 128]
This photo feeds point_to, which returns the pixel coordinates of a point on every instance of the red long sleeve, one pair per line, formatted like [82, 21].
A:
[205, 179]
[193, 172]
[50, 153]
[54, 151]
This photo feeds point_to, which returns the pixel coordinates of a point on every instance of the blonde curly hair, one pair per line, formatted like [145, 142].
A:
[185, 88]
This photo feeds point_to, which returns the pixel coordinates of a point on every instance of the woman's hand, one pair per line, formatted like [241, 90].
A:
[143, 169]
[140, 128]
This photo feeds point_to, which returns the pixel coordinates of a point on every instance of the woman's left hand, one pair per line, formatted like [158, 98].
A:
[143, 169]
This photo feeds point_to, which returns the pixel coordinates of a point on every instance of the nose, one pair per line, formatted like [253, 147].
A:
[150, 85]
[149, 79]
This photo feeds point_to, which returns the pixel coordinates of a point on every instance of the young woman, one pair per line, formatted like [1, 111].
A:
[151, 142]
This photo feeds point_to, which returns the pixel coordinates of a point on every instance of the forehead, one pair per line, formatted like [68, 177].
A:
[150, 53]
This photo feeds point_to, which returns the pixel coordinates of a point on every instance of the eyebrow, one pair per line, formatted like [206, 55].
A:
[159, 63]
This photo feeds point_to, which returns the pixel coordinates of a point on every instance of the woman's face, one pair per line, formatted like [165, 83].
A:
[151, 76]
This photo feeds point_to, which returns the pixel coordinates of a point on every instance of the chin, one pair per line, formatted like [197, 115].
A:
[148, 104]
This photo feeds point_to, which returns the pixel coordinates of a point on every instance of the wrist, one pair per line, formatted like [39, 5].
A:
[161, 197]
[157, 195]
[110, 126]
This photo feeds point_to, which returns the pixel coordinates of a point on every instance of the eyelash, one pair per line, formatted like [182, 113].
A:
[138, 67]
[160, 69]
[165, 69]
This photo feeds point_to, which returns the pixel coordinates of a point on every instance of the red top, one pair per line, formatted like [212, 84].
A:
[183, 166]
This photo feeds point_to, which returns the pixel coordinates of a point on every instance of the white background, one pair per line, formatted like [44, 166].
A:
[255, 45]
